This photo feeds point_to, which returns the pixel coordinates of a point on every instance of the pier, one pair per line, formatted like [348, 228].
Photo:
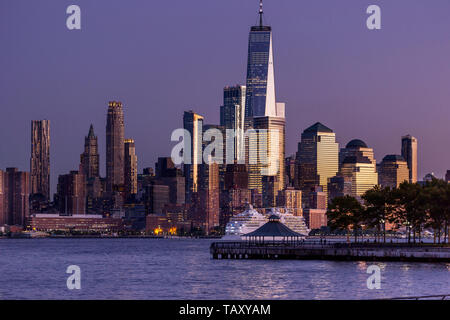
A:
[298, 250]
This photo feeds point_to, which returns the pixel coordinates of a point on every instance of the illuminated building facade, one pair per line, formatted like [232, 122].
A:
[80, 223]
[361, 172]
[131, 169]
[262, 112]
[270, 146]
[193, 123]
[290, 199]
[317, 159]
[356, 148]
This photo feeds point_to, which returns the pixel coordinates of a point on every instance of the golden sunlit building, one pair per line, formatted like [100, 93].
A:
[317, 159]
[361, 172]
[193, 123]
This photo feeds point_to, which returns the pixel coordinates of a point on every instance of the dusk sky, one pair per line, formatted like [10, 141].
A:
[161, 58]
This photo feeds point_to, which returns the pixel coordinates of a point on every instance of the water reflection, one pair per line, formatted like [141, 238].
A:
[182, 269]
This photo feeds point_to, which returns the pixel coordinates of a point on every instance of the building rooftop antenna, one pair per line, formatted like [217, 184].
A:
[261, 13]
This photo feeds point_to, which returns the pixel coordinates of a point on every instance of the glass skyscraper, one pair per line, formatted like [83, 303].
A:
[260, 96]
[232, 116]
[263, 113]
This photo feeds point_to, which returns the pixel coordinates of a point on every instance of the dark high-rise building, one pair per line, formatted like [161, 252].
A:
[393, 170]
[205, 205]
[165, 167]
[3, 197]
[290, 171]
[15, 188]
[236, 176]
[94, 192]
[40, 157]
[270, 191]
[232, 116]
[72, 193]
[89, 159]
[156, 198]
[167, 174]
[447, 176]
[130, 168]
[409, 153]
[115, 162]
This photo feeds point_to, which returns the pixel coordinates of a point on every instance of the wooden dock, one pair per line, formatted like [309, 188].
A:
[332, 251]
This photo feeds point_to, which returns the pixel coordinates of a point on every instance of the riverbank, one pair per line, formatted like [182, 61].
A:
[24, 235]
[332, 251]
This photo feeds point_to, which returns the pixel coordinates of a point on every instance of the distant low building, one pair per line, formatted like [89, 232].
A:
[315, 218]
[14, 196]
[78, 223]
[159, 224]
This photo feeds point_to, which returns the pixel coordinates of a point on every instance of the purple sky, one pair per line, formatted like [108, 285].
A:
[163, 57]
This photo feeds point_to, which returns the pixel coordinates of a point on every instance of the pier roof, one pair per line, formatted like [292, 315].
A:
[273, 228]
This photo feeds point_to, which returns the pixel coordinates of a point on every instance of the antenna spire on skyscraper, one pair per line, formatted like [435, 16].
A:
[261, 13]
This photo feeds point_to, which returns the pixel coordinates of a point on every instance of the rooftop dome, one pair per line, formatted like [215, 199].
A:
[355, 144]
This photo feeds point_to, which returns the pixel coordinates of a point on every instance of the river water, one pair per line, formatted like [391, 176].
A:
[182, 269]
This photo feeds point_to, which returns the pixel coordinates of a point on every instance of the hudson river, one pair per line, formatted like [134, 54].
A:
[182, 269]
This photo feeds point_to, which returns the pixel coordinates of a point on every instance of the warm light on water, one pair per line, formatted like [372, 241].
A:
[182, 269]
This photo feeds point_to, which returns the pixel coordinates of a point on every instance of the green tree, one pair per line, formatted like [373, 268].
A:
[410, 208]
[380, 206]
[437, 192]
[345, 213]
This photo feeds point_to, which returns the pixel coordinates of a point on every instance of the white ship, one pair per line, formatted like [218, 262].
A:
[250, 220]
[243, 223]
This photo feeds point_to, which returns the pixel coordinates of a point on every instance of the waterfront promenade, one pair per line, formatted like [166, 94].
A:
[331, 251]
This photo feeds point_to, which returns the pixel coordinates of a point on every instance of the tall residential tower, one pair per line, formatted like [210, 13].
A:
[130, 167]
[40, 158]
[192, 123]
[114, 147]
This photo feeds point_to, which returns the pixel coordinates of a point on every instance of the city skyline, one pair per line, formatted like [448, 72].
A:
[150, 149]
